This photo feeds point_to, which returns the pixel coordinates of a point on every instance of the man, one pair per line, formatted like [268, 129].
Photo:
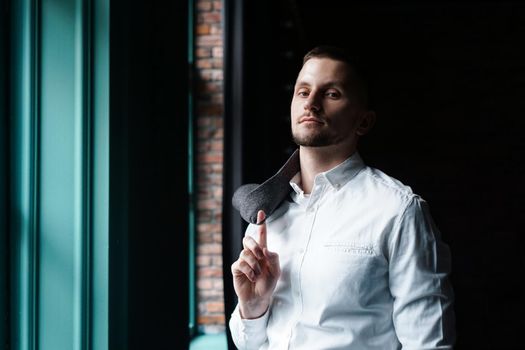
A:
[354, 259]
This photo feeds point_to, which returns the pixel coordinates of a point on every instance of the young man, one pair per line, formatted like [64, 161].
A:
[354, 259]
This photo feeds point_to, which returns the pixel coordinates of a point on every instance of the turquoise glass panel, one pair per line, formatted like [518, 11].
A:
[59, 170]
[63, 231]
[23, 191]
[4, 272]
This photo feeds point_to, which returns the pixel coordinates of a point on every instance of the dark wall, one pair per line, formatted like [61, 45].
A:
[270, 67]
[149, 257]
[447, 82]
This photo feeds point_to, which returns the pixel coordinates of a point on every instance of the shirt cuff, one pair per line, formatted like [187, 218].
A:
[251, 325]
[248, 334]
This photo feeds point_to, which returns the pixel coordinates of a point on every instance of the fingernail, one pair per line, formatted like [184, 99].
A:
[260, 217]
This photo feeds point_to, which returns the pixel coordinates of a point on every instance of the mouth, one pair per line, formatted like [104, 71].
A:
[310, 119]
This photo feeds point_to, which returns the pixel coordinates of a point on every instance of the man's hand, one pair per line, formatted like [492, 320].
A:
[255, 273]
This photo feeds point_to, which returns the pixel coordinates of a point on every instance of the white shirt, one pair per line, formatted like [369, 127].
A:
[363, 267]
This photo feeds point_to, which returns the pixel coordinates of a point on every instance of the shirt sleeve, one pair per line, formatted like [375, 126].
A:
[248, 334]
[419, 272]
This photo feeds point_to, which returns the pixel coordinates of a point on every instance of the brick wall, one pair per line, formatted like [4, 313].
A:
[209, 153]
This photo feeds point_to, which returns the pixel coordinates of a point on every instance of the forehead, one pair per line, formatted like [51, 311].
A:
[321, 71]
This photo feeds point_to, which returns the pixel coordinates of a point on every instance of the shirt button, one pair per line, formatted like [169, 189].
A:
[337, 186]
[301, 251]
[311, 209]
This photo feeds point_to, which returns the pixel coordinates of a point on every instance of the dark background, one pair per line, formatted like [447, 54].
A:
[148, 190]
[447, 82]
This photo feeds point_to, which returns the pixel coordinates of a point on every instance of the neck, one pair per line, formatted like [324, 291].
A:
[315, 160]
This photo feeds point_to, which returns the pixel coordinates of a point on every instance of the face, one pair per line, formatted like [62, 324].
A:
[324, 109]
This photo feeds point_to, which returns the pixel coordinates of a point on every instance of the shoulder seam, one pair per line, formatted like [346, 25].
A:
[403, 192]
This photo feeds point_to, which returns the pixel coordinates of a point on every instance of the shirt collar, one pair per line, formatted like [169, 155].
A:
[337, 177]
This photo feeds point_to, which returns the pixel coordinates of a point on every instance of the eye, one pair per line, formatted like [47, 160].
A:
[302, 93]
[332, 94]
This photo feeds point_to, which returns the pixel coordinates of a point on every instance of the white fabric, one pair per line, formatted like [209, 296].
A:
[363, 267]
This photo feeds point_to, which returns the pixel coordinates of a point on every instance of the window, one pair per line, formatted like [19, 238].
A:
[97, 173]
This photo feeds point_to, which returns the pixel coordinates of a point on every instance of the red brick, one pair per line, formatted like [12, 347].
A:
[218, 122]
[210, 133]
[213, 146]
[209, 293]
[204, 52]
[204, 260]
[206, 238]
[204, 135]
[204, 121]
[209, 228]
[210, 87]
[215, 29]
[217, 99]
[216, 172]
[215, 319]
[218, 284]
[203, 147]
[209, 40]
[205, 283]
[217, 238]
[213, 192]
[217, 52]
[208, 204]
[203, 63]
[217, 192]
[212, 248]
[215, 307]
[210, 158]
[209, 176]
[210, 110]
[210, 272]
[219, 133]
[211, 74]
[209, 17]
[216, 260]
[211, 179]
[204, 215]
[204, 5]
[216, 63]
[203, 29]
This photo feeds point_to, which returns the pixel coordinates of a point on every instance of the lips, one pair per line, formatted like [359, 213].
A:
[310, 119]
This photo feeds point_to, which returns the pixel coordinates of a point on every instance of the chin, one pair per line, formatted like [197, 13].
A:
[313, 140]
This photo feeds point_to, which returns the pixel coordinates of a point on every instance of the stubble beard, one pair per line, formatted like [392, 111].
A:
[315, 139]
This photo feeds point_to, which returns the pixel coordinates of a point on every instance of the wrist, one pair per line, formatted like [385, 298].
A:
[253, 309]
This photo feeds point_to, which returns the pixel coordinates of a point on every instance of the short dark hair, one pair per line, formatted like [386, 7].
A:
[341, 54]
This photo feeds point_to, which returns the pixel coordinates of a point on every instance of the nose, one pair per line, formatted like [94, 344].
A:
[312, 103]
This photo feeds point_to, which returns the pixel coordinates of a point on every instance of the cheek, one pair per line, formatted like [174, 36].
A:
[344, 121]
[295, 110]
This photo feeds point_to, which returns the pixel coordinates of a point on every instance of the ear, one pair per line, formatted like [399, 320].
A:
[367, 122]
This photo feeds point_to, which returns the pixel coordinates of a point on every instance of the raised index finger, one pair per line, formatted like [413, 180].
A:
[262, 229]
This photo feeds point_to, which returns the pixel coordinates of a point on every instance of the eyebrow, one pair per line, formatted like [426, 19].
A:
[329, 84]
